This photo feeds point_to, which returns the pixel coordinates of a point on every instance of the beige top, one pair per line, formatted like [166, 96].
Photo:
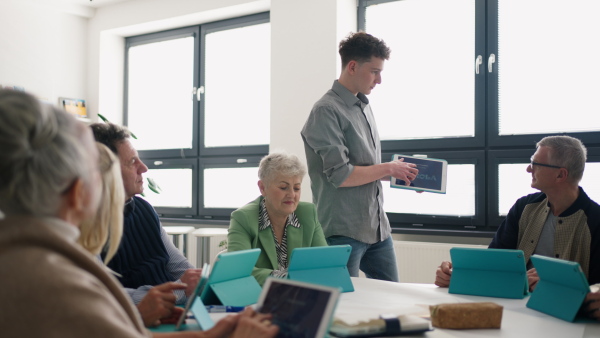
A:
[572, 237]
[51, 287]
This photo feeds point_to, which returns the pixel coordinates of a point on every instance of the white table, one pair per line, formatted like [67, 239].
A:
[374, 297]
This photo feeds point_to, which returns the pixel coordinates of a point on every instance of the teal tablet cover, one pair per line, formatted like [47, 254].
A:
[561, 289]
[201, 314]
[195, 296]
[489, 272]
[231, 281]
[324, 265]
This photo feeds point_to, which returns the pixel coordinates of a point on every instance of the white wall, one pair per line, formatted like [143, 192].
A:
[43, 49]
[305, 63]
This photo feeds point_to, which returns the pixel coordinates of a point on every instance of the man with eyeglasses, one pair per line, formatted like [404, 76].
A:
[560, 221]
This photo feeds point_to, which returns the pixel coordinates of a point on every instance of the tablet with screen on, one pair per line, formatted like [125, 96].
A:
[299, 309]
[431, 177]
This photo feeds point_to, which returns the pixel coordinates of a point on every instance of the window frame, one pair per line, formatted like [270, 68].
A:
[224, 163]
[177, 164]
[193, 31]
[423, 224]
[496, 149]
[199, 157]
[522, 156]
[217, 27]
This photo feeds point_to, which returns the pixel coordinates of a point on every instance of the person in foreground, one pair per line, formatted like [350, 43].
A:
[343, 152]
[50, 184]
[276, 222]
[159, 261]
[560, 221]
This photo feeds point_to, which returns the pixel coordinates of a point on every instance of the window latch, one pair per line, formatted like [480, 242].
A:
[478, 62]
[197, 92]
[491, 61]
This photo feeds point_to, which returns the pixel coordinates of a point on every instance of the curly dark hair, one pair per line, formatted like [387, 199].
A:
[110, 134]
[361, 47]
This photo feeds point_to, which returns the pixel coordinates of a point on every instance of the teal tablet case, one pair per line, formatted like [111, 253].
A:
[231, 281]
[201, 314]
[195, 296]
[489, 272]
[561, 289]
[324, 265]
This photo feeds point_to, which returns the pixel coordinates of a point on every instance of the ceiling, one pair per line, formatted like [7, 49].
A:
[89, 3]
[84, 3]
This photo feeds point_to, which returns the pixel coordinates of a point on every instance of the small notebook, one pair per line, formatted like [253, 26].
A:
[390, 326]
[489, 272]
[561, 289]
[324, 265]
[231, 281]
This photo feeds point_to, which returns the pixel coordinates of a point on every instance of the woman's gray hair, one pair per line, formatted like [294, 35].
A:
[284, 164]
[566, 152]
[40, 155]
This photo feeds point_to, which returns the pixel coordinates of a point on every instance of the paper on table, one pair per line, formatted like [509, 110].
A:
[353, 317]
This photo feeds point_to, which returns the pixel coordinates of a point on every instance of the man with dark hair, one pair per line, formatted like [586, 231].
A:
[146, 256]
[343, 152]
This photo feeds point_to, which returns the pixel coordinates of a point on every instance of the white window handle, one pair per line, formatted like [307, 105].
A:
[198, 92]
[491, 61]
[478, 62]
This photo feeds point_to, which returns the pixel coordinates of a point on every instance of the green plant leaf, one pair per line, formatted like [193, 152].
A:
[153, 186]
[103, 118]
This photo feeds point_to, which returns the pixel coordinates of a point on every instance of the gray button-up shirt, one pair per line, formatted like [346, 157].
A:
[340, 133]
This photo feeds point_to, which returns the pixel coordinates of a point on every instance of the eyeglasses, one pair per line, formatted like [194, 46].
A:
[544, 165]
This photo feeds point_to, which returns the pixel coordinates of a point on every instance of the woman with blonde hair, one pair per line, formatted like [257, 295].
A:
[106, 227]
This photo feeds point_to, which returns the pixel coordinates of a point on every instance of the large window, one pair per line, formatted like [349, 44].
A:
[479, 82]
[200, 115]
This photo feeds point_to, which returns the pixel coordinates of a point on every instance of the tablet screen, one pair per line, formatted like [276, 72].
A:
[299, 309]
[431, 176]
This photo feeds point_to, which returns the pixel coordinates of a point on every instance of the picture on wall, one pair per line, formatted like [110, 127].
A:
[73, 106]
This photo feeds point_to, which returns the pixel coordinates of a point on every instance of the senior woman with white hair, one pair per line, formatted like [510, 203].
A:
[276, 222]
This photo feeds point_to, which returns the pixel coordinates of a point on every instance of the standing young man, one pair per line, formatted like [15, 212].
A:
[343, 152]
